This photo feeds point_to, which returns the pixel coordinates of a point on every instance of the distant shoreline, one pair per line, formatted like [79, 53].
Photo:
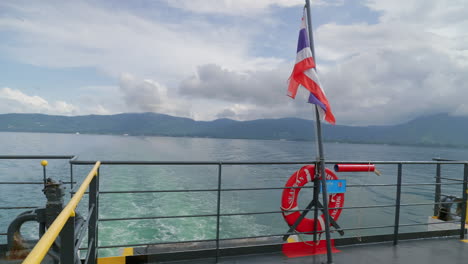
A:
[207, 137]
[441, 130]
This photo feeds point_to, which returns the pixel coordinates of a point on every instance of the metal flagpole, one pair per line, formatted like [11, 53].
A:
[320, 157]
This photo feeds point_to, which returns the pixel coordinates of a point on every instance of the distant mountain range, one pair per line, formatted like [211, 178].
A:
[435, 130]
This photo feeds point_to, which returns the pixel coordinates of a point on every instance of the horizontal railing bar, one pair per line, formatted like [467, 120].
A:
[29, 182]
[156, 191]
[450, 179]
[154, 217]
[429, 184]
[376, 227]
[152, 244]
[416, 204]
[415, 224]
[97, 194]
[36, 157]
[372, 185]
[206, 190]
[441, 159]
[19, 207]
[330, 208]
[344, 229]
[273, 235]
[303, 187]
[444, 222]
[209, 190]
[139, 162]
[397, 162]
[264, 188]
[232, 214]
[265, 212]
[129, 162]
[3, 234]
[393, 184]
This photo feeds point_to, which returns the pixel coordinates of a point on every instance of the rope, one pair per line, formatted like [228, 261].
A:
[311, 244]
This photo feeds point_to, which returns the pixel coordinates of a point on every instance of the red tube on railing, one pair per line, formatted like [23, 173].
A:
[354, 167]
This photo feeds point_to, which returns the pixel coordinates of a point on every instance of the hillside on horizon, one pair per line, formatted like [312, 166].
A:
[433, 130]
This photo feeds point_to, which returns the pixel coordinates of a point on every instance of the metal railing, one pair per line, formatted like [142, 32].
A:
[397, 205]
[71, 241]
[64, 225]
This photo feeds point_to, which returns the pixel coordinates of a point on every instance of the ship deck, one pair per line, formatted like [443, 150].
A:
[442, 250]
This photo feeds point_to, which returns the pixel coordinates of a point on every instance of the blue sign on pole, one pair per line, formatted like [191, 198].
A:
[335, 186]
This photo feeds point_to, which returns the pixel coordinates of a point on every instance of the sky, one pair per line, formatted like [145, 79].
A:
[380, 62]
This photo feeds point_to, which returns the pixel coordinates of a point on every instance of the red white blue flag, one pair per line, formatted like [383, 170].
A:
[305, 74]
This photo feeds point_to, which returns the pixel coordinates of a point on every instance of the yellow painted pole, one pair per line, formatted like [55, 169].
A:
[42, 247]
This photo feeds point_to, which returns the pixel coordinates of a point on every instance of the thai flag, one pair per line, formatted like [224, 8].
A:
[305, 74]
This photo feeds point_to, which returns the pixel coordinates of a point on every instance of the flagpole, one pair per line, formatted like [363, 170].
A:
[318, 134]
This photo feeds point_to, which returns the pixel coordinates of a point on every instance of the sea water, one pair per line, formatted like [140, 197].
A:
[164, 177]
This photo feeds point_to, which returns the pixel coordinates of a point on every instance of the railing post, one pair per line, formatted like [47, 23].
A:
[397, 206]
[93, 220]
[71, 174]
[96, 216]
[437, 190]
[67, 242]
[316, 199]
[71, 180]
[464, 203]
[218, 210]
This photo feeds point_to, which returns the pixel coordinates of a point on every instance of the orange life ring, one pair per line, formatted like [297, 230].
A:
[289, 200]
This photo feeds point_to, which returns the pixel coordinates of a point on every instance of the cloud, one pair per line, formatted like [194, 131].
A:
[226, 113]
[375, 74]
[389, 72]
[213, 81]
[241, 7]
[150, 96]
[433, 15]
[132, 95]
[15, 101]
[78, 34]
[387, 86]
[403, 67]
[244, 95]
